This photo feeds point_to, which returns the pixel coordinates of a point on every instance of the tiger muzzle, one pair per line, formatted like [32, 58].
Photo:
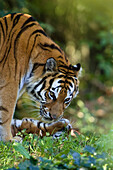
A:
[53, 111]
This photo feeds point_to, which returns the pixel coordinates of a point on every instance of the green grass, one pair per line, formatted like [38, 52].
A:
[93, 149]
[88, 151]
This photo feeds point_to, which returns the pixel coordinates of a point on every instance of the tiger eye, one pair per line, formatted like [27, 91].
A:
[67, 100]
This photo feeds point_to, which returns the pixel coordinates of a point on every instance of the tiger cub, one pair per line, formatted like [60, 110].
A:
[30, 60]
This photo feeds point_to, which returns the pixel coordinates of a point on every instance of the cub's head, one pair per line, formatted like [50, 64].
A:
[55, 89]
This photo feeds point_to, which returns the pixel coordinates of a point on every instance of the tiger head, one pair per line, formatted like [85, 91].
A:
[54, 89]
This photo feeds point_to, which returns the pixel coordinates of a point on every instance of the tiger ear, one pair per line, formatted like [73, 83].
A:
[77, 68]
[51, 65]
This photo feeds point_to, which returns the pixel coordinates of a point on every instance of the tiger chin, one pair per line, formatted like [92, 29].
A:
[30, 60]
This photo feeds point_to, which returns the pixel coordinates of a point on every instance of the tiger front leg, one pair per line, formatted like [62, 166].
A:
[40, 128]
[54, 127]
[8, 97]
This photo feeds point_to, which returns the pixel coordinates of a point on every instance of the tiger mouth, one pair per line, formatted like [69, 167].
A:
[45, 115]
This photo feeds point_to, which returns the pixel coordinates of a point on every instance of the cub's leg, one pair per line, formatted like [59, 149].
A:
[8, 97]
[37, 127]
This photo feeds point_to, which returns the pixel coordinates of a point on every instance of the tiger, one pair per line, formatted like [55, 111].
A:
[30, 61]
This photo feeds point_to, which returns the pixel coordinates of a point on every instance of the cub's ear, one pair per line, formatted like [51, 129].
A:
[51, 65]
[77, 68]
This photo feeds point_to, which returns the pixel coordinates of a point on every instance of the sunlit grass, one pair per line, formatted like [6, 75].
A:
[88, 151]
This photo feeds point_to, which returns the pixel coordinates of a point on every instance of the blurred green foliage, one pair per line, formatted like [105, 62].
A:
[84, 29]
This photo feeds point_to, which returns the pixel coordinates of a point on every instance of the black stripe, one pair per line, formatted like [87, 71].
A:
[15, 43]
[43, 86]
[55, 75]
[31, 19]
[20, 79]
[3, 108]
[12, 15]
[32, 92]
[62, 76]
[70, 78]
[4, 86]
[61, 62]
[38, 124]
[60, 57]
[61, 70]
[69, 68]
[64, 66]
[2, 29]
[40, 31]
[35, 32]
[22, 30]
[36, 65]
[41, 81]
[1, 123]
[32, 47]
[6, 24]
[5, 57]
[68, 82]
[44, 48]
[31, 120]
[45, 127]
[61, 81]
[50, 83]
[52, 46]
[15, 21]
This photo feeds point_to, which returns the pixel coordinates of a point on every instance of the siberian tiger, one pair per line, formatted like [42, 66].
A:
[30, 60]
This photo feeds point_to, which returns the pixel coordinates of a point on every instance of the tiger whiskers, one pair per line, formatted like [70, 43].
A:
[34, 110]
[36, 103]
[31, 104]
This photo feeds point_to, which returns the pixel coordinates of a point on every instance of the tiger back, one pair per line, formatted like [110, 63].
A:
[30, 59]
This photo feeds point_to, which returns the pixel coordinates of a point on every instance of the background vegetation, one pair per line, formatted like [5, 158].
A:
[84, 30]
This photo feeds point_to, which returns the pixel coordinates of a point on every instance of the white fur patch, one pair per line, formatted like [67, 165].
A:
[16, 122]
[38, 88]
[42, 93]
[25, 77]
[76, 94]
[42, 125]
[55, 83]
[35, 122]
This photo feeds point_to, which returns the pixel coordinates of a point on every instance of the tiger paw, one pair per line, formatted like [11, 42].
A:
[60, 125]
[64, 132]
